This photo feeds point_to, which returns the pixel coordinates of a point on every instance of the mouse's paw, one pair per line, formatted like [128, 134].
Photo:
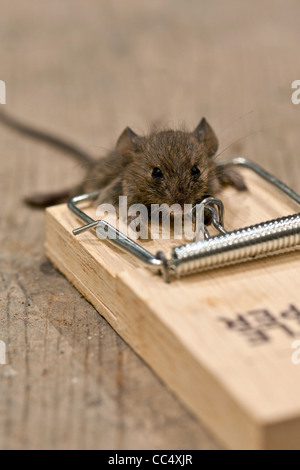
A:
[228, 176]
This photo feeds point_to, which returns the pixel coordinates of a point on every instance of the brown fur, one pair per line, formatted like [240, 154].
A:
[128, 169]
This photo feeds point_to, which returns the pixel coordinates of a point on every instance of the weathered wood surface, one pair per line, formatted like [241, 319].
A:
[87, 71]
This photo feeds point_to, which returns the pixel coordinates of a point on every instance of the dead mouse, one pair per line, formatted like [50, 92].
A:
[165, 166]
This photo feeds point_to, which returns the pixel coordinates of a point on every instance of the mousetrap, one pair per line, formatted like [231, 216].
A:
[224, 331]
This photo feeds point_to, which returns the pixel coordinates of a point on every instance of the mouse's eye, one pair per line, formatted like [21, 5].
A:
[157, 173]
[195, 171]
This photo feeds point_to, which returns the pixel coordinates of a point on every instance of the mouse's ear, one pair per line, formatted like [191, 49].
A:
[128, 142]
[205, 135]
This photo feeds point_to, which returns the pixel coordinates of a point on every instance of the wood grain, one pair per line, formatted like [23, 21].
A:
[86, 72]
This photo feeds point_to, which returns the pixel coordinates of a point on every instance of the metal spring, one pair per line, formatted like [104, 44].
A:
[260, 240]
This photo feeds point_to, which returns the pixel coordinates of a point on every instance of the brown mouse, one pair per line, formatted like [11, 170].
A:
[166, 166]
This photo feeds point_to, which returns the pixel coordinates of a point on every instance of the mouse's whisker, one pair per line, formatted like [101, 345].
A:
[241, 139]
[106, 149]
[234, 121]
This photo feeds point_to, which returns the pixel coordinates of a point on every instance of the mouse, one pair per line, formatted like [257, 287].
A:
[165, 166]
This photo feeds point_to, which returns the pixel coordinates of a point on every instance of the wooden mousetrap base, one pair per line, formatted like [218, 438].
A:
[221, 340]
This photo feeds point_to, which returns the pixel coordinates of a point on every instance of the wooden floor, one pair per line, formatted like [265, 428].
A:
[86, 70]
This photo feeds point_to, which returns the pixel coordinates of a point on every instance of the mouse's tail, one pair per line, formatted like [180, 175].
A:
[43, 200]
[37, 134]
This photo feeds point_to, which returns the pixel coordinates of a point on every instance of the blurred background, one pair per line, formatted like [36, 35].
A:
[85, 70]
[88, 69]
